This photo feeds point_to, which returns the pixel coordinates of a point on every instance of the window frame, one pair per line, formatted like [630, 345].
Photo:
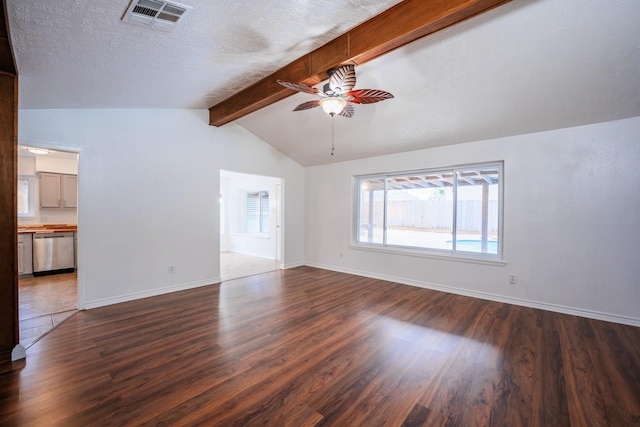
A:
[32, 197]
[261, 210]
[448, 254]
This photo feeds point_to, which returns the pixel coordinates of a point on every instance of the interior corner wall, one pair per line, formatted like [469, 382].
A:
[571, 228]
[148, 195]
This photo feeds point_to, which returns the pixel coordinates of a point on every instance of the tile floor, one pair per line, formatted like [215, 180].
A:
[234, 265]
[43, 303]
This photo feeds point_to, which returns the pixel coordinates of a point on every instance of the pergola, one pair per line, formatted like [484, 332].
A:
[407, 181]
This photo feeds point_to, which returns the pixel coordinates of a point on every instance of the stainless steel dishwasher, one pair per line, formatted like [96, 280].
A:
[53, 252]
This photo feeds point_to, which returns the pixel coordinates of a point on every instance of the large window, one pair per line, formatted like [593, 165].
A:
[454, 210]
[25, 196]
[258, 212]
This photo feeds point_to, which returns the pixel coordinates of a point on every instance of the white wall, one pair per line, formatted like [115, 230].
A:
[571, 227]
[234, 188]
[148, 194]
[225, 235]
[26, 166]
[148, 198]
[46, 163]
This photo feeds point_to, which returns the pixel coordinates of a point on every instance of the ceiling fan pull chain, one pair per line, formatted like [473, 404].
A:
[333, 147]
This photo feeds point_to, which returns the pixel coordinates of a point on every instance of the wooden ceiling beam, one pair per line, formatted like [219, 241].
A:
[405, 22]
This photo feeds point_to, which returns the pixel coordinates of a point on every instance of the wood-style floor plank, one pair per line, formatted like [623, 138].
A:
[311, 347]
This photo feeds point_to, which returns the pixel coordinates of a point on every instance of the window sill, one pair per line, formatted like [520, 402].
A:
[252, 235]
[445, 256]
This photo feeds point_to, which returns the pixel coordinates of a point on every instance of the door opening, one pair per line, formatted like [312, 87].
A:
[251, 224]
[47, 240]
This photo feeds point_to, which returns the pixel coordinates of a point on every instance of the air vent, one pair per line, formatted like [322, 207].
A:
[160, 14]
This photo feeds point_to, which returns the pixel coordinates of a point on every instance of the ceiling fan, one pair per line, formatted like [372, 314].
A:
[338, 96]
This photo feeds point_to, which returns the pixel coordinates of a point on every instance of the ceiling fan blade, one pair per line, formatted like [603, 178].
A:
[343, 79]
[348, 111]
[367, 96]
[307, 105]
[300, 87]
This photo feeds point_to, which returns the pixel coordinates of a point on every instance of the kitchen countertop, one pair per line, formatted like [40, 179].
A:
[48, 228]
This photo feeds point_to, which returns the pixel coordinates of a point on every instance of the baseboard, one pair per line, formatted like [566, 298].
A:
[591, 314]
[293, 265]
[151, 293]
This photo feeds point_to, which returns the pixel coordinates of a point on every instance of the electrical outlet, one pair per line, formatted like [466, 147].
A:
[512, 279]
[171, 269]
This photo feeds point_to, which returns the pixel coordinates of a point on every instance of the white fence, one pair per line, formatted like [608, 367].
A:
[435, 215]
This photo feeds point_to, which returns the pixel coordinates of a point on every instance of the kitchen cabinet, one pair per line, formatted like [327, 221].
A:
[58, 190]
[69, 184]
[25, 254]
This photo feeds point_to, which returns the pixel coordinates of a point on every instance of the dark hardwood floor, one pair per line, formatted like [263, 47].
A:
[307, 347]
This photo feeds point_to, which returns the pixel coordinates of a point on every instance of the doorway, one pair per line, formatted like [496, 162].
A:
[44, 303]
[47, 240]
[251, 226]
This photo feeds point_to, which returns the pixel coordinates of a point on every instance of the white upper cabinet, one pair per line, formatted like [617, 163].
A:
[50, 190]
[58, 190]
[69, 185]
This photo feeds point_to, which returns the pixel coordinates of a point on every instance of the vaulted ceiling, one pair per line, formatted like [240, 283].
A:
[526, 66]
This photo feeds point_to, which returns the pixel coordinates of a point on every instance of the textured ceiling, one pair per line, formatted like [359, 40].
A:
[524, 67]
[79, 53]
[527, 66]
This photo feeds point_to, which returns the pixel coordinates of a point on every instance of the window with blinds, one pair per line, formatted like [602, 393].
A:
[258, 212]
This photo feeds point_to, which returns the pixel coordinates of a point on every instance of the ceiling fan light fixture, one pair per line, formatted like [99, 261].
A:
[338, 96]
[333, 105]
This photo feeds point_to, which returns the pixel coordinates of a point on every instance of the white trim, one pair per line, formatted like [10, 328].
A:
[482, 258]
[293, 265]
[18, 352]
[590, 314]
[151, 293]
[423, 253]
[49, 145]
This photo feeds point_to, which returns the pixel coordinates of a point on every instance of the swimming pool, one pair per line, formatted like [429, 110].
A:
[476, 246]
